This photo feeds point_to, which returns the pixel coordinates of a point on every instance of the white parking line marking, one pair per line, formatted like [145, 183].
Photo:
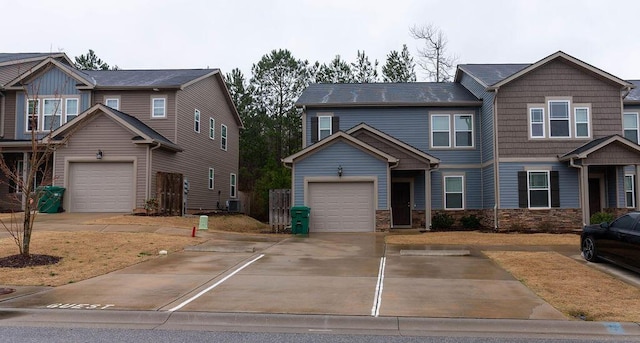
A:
[214, 285]
[377, 301]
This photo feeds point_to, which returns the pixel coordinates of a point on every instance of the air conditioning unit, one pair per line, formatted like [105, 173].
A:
[233, 205]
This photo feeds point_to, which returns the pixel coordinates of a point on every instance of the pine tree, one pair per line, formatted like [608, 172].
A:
[363, 70]
[399, 67]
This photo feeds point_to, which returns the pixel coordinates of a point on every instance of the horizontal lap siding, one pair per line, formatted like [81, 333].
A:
[472, 187]
[561, 80]
[488, 186]
[354, 162]
[9, 73]
[486, 115]
[418, 191]
[569, 183]
[114, 141]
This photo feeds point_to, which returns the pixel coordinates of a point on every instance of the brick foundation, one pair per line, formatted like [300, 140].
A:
[383, 220]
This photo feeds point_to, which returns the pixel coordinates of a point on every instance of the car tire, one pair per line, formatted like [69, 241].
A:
[589, 249]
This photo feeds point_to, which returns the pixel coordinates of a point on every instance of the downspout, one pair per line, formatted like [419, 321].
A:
[149, 164]
[582, 189]
[496, 166]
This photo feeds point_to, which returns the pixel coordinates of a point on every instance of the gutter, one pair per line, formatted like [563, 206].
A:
[496, 165]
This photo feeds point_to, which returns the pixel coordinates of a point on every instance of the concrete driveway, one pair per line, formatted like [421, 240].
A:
[334, 274]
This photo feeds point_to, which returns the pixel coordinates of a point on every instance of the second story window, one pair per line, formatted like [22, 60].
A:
[158, 107]
[33, 114]
[196, 121]
[559, 119]
[324, 127]
[452, 130]
[223, 137]
[440, 131]
[71, 109]
[212, 128]
[536, 120]
[463, 125]
[582, 122]
[113, 103]
[51, 114]
[631, 126]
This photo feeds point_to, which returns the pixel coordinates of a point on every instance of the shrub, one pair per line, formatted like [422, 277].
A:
[470, 222]
[442, 221]
[601, 217]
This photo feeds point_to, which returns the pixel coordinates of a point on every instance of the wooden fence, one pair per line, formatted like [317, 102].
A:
[169, 191]
[279, 209]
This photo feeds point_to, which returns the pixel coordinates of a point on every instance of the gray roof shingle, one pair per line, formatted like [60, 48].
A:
[144, 128]
[160, 78]
[634, 94]
[396, 94]
[8, 57]
[490, 74]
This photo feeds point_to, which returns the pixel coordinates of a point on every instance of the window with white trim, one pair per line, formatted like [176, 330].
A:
[463, 126]
[196, 121]
[538, 189]
[581, 120]
[324, 127]
[51, 114]
[536, 122]
[454, 192]
[440, 131]
[158, 107]
[211, 178]
[629, 191]
[631, 131]
[33, 114]
[232, 185]
[212, 128]
[113, 103]
[559, 119]
[71, 108]
[223, 137]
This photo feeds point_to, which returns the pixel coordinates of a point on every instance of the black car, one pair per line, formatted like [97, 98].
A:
[617, 242]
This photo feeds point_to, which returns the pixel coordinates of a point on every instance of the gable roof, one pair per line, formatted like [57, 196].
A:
[597, 144]
[387, 94]
[340, 135]
[633, 98]
[22, 57]
[144, 133]
[85, 83]
[488, 74]
[151, 78]
[418, 153]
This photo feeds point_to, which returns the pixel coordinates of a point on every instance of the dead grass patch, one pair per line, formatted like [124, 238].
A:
[482, 238]
[86, 254]
[234, 223]
[571, 287]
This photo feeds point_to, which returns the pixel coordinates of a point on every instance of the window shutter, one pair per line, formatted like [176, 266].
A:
[555, 188]
[335, 124]
[523, 193]
[314, 129]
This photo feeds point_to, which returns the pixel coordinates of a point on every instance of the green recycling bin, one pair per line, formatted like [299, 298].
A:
[50, 199]
[300, 220]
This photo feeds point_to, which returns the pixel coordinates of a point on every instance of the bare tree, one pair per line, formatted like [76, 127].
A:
[433, 56]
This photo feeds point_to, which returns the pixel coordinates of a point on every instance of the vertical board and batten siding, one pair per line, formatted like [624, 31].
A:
[114, 141]
[200, 152]
[10, 72]
[354, 162]
[10, 116]
[472, 187]
[569, 183]
[137, 103]
[557, 79]
[486, 115]
[408, 124]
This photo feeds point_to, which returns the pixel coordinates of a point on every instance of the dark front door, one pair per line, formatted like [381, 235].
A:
[401, 203]
[594, 196]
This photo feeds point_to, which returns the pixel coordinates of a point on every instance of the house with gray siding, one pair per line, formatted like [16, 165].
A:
[112, 131]
[539, 146]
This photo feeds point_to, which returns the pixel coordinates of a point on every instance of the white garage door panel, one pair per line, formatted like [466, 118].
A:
[101, 187]
[341, 207]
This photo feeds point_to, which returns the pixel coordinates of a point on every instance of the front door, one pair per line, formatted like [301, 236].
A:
[401, 203]
[594, 196]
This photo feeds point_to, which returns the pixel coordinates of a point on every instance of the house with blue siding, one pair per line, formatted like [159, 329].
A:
[540, 146]
[111, 135]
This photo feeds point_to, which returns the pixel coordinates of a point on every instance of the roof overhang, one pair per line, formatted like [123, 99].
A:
[394, 104]
[585, 150]
[37, 58]
[18, 82]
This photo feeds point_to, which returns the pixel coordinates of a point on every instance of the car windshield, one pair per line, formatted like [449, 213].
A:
[624, 222]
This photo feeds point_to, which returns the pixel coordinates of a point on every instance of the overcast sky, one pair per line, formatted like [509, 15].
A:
[155, 34]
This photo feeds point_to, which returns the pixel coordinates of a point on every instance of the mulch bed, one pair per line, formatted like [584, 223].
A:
[21, 261]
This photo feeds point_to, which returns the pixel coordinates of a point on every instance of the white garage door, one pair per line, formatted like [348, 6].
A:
[341, 207]
[100, 187]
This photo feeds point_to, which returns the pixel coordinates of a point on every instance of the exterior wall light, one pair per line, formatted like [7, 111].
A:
[339, 170]
[99, 155]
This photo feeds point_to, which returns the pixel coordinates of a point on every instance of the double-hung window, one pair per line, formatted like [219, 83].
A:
[212, 128]
[232, 185]
[559, 119]
[454, 192]
[158, 107]
[538, 189]
[581, 119]
[631, 126]
[211, 178]
[629, 191]
[51, 114]
[196, 121]
[71, 109]
[324, 127]
[463, 126]
[223, 137]
[536, 120]
[451, 130]
[440, 131]
[33, 114]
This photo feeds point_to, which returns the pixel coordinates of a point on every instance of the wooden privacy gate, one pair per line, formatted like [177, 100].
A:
[169, 192]
[279, 209]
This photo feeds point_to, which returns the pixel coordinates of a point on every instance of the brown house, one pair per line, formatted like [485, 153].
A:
[114, 130]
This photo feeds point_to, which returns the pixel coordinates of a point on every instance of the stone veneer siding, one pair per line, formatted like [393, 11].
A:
[383, 220]
[485, 216]
[418, 219]
[548, 220]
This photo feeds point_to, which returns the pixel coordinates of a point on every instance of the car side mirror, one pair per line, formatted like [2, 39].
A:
[604, 225]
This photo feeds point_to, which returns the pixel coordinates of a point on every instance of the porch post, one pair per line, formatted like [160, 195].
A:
[427, 199]
[584, 194]
[636, 187]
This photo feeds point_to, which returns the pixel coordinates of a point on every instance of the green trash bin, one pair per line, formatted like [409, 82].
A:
[50, 199]
[300, 220]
